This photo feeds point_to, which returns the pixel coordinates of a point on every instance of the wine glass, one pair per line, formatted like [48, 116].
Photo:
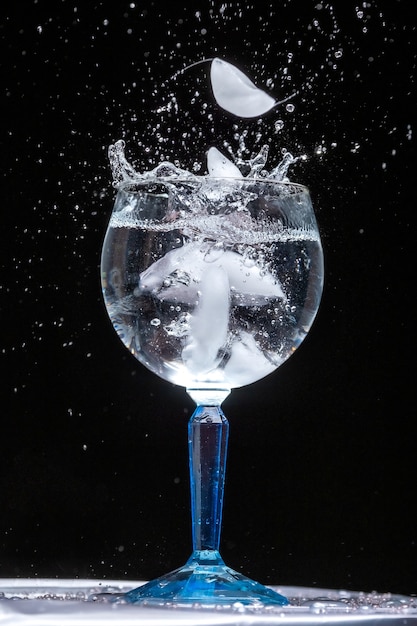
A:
[211, 283]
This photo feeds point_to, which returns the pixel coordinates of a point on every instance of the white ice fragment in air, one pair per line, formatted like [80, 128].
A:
[220, 166]
[208, 323]
[236, 93]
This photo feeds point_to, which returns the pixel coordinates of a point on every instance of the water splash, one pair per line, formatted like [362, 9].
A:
[234, 92]
[218, 166]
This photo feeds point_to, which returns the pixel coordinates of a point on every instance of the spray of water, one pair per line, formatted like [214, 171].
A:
[235, 93]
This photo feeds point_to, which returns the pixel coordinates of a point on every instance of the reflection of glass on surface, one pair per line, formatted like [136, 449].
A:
[75, 602]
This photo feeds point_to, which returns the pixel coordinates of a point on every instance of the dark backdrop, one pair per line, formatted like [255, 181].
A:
[322, 463]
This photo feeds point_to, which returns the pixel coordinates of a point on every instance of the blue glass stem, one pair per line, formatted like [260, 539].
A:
[208, 432]
[205, 579]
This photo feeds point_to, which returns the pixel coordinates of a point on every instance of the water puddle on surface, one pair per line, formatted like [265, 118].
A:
[302, 601]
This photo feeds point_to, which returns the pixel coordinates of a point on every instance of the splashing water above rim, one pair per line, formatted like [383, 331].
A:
[218, 165]
[235, 93]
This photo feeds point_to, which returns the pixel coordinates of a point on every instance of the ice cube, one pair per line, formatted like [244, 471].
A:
[220, 166]
[247, 362]
[249, 286]
[236, 93]
[209, 322]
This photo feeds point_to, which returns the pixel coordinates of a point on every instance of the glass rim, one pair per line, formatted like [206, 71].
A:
[136, 185]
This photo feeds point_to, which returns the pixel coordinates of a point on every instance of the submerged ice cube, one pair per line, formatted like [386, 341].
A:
[249, 286]
[208, 325]
[236, 93]
[245, 358]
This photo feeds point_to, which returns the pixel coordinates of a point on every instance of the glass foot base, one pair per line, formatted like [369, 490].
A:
[203, 582]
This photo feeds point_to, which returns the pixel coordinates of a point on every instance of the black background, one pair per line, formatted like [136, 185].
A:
[322, 459]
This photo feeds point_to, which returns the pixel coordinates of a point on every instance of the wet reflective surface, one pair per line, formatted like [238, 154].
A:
[46, 601]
